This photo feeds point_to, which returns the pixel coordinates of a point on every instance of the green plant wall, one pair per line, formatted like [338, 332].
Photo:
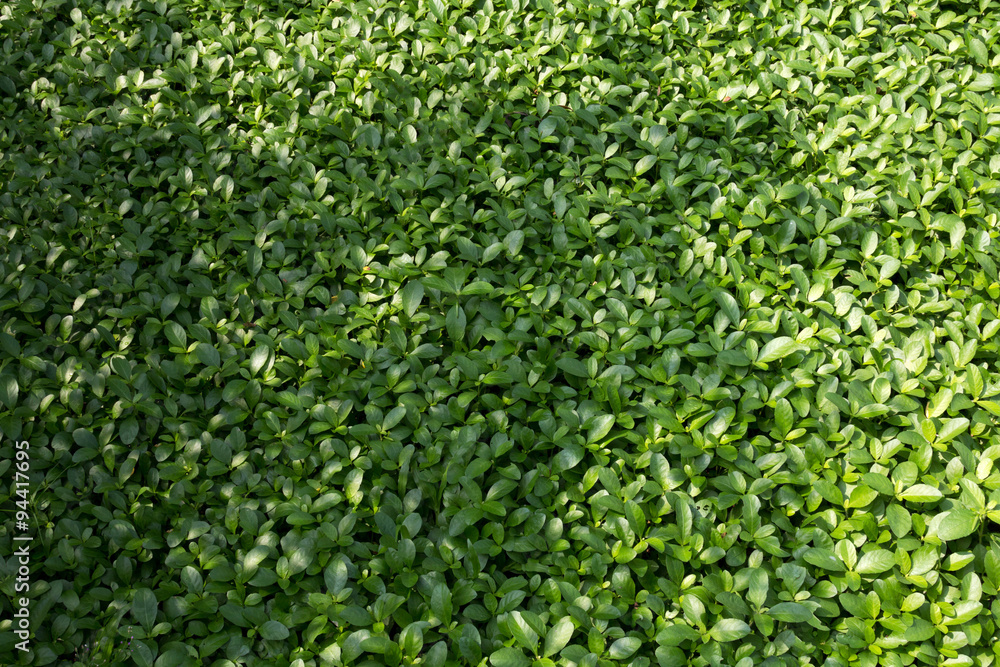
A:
[509, 334]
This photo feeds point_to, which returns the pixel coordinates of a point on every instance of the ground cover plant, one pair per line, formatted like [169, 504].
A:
[516, 334]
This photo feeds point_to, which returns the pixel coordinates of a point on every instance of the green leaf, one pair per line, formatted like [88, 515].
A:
[85, 438]
[175, 334]
[951, 429]
[272, 59]
[729, 306]
[823, 558]
[568, 458]
[513, 242]
[255, 259]
[208, 355]
[983, 82]
[573, 367]
[862, 496]
[477, 288]
[840, 72]
[921, 493]
[875, 562]
[645, 164]
[757, 593]
[956, 524]
[173, 657]
[8, 391]
[144, 607]
[872, 410]
[258, 358]
[412, 639]
[940, 402]
[900, 521]
[790, 191]
[274, 631]
[729, 630]
[356, 616]
[676, 634]
[829, 492]
[227, 185]
[509, 657]
[600, 428]
[677, 336]
[413, 294]
[169, 304]
[790, 612]
[441, 603]
[455, 323]
[624, 647]
[777, 348]
[978, 51]
[129, 431]
[522, 632]
[380, 645]
[542, 104]
[558, 636]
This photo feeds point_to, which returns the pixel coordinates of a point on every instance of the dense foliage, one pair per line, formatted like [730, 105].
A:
[516, 333]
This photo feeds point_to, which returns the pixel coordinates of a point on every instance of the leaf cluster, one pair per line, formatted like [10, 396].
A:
[503, 333]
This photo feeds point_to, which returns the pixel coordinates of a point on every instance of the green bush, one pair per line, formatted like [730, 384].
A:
[511, 333]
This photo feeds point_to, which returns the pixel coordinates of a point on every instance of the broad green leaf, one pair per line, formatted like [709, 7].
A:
[380, 645]
[790, 191]
[729, 306]
[644, 164]
[921, 493]
[600, 428]
[523, 632]
[829, 492]
[983, 82]
[660, 469]
[676, 634]
[952, 428]
[823, 558]
[413, 294]
[274, 631]
[875, 562]
[167, 306]
[840, 72]
[677, 336]
[757, 593]
[509, 657]
[956, 524]
[441, 603]
[624, 647]
[144, 607]
[255, 259]
[777, 348]
[477, 288]
[978, 51]
[899, 520]
[558, 636]
[175, 334]
[258, 358]
[513, 241]
[455, 323]
[862, 496]
[9, 391]
[790, 612]
[729, 630]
